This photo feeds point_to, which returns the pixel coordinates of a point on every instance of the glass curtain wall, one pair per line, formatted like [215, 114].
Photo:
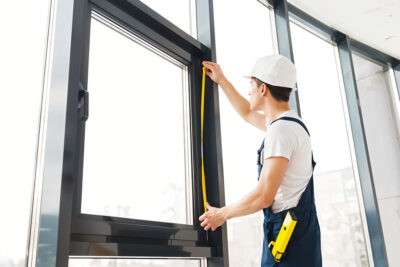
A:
[380, 116]
[22, 67]
[241, 38]
[335, 179]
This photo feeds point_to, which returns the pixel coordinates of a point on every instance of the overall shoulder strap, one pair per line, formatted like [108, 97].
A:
[293, 119]
[305, 128]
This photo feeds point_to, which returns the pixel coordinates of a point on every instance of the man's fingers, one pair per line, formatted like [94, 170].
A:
[209, 63]
[208, 226]
[209, 66]
[209, 69]
[202, 217]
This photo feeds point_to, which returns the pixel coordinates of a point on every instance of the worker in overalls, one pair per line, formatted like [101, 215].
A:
[285, 162]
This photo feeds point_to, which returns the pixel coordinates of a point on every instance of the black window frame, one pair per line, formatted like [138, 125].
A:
[97, 235]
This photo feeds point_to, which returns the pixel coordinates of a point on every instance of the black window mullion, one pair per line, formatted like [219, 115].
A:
[195, 104]
[285, 43]
[212, 136]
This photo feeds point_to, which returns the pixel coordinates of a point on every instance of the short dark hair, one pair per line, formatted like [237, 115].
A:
[278, 92]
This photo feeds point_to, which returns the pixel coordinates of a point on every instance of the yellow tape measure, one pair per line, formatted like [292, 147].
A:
[203, 178]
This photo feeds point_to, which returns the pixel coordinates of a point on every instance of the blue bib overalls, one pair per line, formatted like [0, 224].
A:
[304, 248]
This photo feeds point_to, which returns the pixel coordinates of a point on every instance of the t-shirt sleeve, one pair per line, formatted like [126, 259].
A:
[279, 142]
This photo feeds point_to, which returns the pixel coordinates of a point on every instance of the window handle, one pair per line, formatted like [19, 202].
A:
[84, 101]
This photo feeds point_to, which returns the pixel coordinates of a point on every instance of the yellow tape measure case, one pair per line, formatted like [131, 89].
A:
[279, 246]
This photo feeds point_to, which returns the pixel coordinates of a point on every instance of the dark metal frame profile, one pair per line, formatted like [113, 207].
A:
[396, 71]
[346, 46]
[85, 235]
[284, 41]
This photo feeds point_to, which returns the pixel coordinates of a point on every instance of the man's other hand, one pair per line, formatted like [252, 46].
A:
[213, 218]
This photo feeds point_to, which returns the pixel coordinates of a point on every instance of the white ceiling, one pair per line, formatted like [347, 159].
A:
[375, 23]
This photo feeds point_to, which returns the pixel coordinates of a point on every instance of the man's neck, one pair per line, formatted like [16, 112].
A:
[275, 111]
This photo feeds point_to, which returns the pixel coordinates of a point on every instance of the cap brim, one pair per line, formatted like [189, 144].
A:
[250, 76]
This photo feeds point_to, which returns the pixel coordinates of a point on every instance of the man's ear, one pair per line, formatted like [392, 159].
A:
[264, 89]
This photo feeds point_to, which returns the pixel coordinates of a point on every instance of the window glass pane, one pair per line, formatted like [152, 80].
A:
[241, 38]
[322, 110]
[380, 124]
[134, 262]
[23, 39]
[137, 133]
[182, 13]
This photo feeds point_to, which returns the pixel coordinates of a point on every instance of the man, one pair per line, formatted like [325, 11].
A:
[285, 162]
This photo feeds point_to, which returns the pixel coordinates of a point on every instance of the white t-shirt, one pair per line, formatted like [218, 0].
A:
[289, 139]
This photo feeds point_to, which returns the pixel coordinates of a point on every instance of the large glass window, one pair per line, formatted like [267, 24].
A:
[381, 130]
[335, 180]
[137, 138]
[182, 13]
[241, 38]
[23, 40]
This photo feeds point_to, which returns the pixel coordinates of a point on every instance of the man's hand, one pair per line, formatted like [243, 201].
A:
[213, 70]
[262, 196]
[213, 218]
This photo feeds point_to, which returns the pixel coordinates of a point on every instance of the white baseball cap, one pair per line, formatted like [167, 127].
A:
[275, 70]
